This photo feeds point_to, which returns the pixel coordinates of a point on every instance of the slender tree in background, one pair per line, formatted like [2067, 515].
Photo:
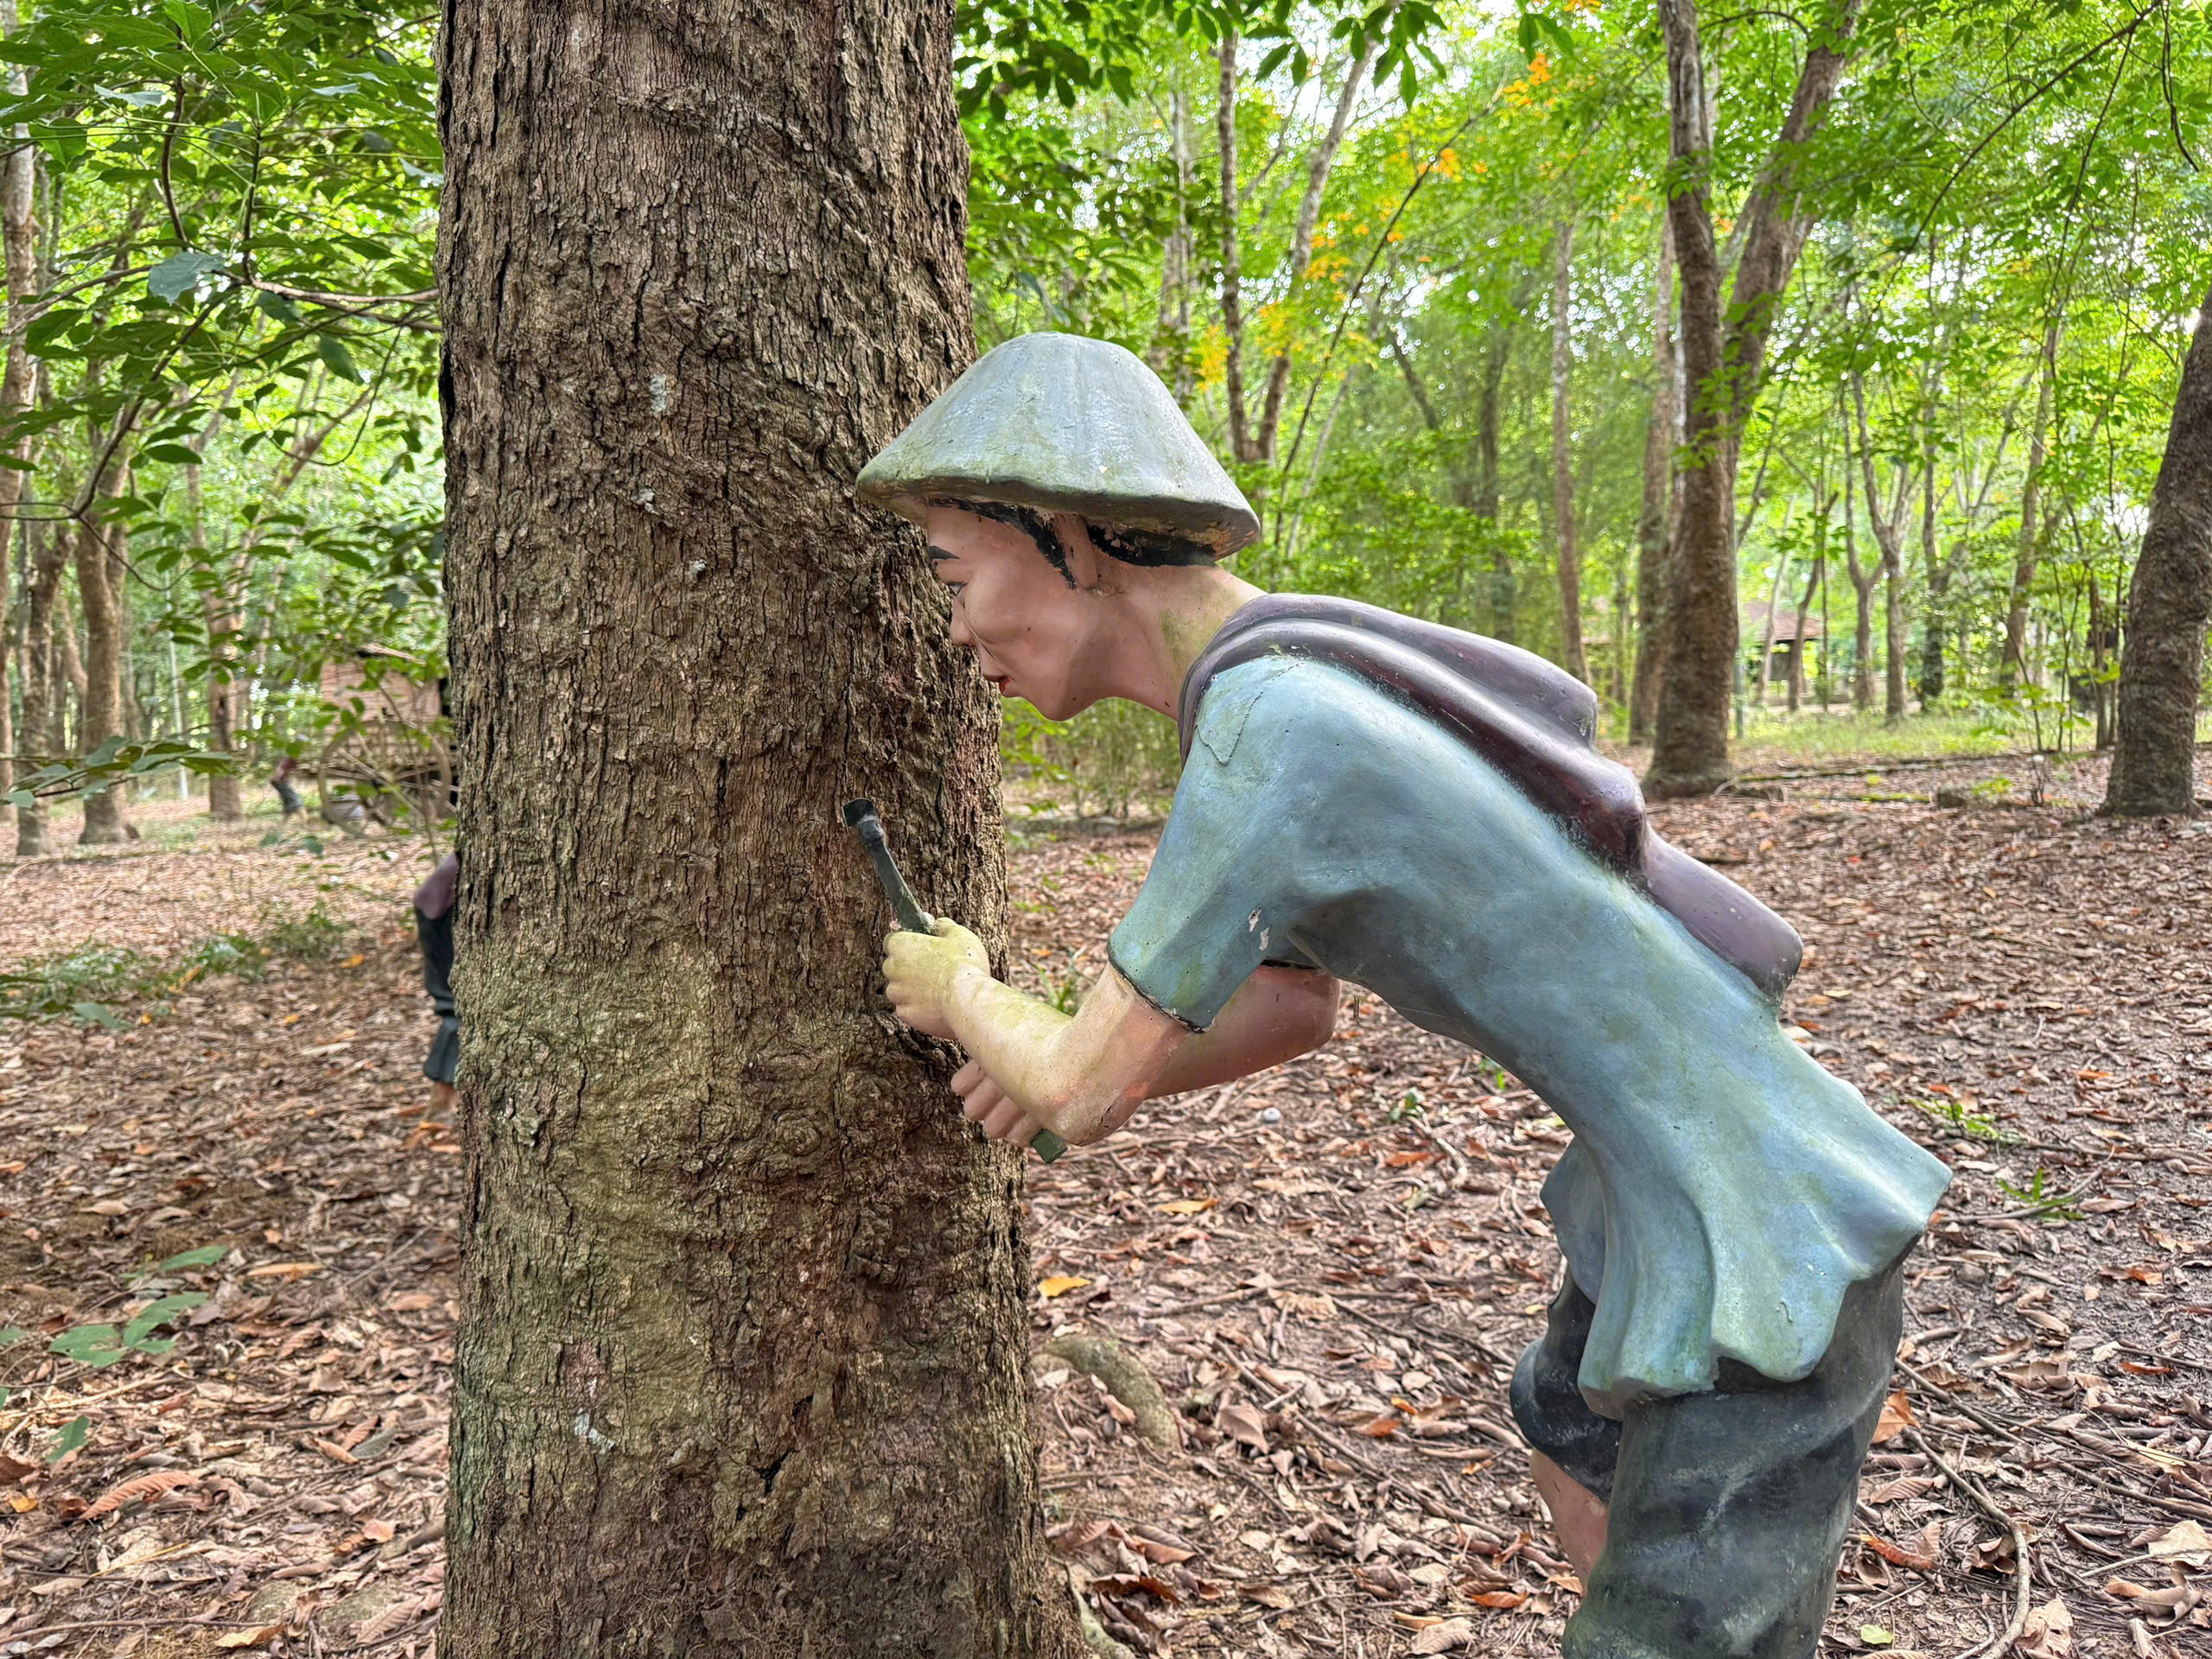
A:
[1724, 352]
[39, 730]
[2012, 660]
[17, 387]
[2169, 603]
[1570, 562]
[99, 576]
[1250, 442]
[741, 1363]
[1652, 577]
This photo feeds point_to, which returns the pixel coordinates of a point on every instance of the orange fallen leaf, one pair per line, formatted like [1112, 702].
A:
[1499, 1599]
[257, 1636]
[335, 1453]
[284, 1271]
[1923, 1558]
[1189, 1206]
[144, 1486]
[1383, 1426]
[1897, 1417]
[1059, 1284]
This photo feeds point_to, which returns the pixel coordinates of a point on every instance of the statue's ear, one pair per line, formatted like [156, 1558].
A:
[1086, 564]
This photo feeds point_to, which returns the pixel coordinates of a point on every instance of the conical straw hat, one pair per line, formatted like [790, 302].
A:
[1065, 424]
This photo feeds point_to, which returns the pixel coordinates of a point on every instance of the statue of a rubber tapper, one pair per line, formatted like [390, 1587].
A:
[1419, 811]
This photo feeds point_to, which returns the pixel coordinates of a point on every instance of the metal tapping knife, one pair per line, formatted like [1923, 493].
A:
[860, 815]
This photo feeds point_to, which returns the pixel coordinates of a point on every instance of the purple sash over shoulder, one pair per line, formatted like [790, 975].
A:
[1533, 722]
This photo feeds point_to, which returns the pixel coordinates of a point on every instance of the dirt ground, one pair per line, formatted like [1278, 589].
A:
[1329, 1269]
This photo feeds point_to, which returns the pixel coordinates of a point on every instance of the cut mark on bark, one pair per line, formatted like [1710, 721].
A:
[590, 1436]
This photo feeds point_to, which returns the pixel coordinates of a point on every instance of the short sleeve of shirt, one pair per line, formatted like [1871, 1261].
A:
[1219, 900]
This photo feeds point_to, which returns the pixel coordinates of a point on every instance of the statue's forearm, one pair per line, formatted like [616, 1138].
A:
[1078, 1076]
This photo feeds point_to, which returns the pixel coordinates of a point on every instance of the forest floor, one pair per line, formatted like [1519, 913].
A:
[1329, 1268]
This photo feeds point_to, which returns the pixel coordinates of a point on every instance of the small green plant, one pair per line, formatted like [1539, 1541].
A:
[1961, 1122]
[1991, 789]
[102, 1346]
[313, 936]
[1410, 1105]
[79, 983]
[84, 984]
[2041, 1203]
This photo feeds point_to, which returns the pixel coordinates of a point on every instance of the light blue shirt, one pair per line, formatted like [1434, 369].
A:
[1722, 1191]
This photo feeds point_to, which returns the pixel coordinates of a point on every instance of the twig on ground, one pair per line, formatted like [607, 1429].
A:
[2022, 1566]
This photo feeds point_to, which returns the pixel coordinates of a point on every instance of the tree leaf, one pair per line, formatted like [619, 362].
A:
[337, 358]
[181, 273]
[74, 1433]
[157, 1314]
[96, 1346]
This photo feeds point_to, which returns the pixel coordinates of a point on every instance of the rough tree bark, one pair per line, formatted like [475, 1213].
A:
[1724, 352]
[2169, 602]
[1570, 564]
[741, 1363]
[1652, 579]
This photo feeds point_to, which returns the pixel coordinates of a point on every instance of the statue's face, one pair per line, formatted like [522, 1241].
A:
[1027, 625]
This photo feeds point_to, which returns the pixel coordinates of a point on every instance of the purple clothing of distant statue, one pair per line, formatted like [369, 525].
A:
[435, 897]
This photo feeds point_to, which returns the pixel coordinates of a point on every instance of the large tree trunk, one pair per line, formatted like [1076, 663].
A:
[1724, 352]
[2162, 658]
[741, 1363]
[2012, 660]
[1651, 573]
[99, 576]
[1570, 562]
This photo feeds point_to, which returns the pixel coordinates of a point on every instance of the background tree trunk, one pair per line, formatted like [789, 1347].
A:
[2162, 658]
[1723, 354]
[41, 696]
[2012, 660]
[741, 1367]
[1570, 566]
[98, 575]
[1497, 352]
[1652, 580]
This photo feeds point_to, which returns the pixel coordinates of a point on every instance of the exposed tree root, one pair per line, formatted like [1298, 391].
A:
[1094, 1633]
[1125, 1378]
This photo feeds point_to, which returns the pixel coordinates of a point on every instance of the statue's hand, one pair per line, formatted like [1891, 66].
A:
[983, 1103]
[918, 970]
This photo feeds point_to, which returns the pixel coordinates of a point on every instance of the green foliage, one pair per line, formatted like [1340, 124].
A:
[101, 1345]
[1955, 1118]
[1106, 760]
[2042, 1200]
[88, 982]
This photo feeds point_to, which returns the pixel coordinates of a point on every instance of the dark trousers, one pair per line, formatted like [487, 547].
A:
[1727, 1509]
